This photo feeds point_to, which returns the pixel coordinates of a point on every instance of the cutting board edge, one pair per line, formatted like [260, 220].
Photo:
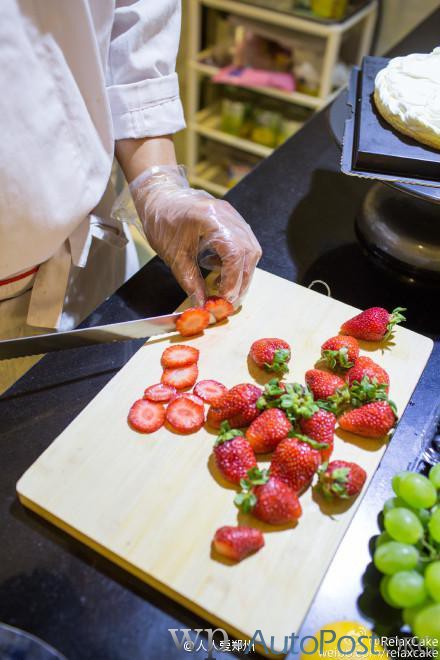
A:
[145, 578]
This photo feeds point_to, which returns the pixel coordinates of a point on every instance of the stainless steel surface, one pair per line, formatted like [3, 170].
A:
[56, 341]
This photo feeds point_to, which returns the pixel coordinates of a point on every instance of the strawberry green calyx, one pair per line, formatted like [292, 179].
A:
[396, 317]
[334, 483]
[366, 391]
[279, 363]
[337, 402]
[305, 438]
[337, 359]
[272, 393]
[226, 433]
[297, 402]
[246, 499]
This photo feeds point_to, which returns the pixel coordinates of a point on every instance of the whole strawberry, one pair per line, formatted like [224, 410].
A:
[271, 354]
[374, 324]
[324, 384]
[268, 498]
[341, 479]
[295, 461]
[233, 454]
[365, 366]
[268, 430]
[321, 428]
[373, 420]
[238, 405]
[340, 352]
[238, 542]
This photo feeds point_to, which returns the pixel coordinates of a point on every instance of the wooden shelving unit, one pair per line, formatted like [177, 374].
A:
[206, 122]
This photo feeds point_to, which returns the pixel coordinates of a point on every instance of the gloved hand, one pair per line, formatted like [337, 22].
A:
[185, 226]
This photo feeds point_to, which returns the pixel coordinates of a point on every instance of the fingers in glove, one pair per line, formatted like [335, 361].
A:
[187, 273]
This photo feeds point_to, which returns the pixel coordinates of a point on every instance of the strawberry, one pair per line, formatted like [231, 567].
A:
[233, 454]
[341, 479]
[295, 400]
[238, 405]
[179, 356]
[271, 354]
[365, 366]
[210, 391]
[372, 420]
[184, 415]
[188, 395]
[268, 430]
[236, 543]
[374, 324]
[219, 307]
[268, 498]
[321, 427]
[159, 393]
[193, 321]
[215, 417]
[323, 384]
[340, 352]
[146, 416]
[180, 378]
[295, 461]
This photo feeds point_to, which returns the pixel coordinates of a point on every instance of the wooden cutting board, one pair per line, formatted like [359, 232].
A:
[151, 503]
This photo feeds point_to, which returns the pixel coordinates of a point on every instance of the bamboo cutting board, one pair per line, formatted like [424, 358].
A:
[151, 503]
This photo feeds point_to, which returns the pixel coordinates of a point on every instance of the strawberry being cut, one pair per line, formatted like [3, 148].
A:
[233, 454]
[324, 384]
[373, 420]
[236, 543]
[268, 430]
[239, 404]
[268, 498]
[271, 354]
[341, 479]
[374, 324]
[295, 461]
[365, 366]
[210, 391]
[184, 415]
[321, 427]
[180, 378]
[340, 352]
[179, 355]
[193, 321]
[219, 307]
[146, 416]
[160, 393]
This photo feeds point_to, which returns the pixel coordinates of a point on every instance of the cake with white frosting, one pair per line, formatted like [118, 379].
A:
[407, 95]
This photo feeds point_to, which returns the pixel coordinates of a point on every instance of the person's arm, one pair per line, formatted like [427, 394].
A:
[135, 156]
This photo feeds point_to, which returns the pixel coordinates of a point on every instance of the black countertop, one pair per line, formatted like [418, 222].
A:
[302, 210]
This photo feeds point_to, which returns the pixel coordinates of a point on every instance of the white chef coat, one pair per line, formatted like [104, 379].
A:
[74, 76]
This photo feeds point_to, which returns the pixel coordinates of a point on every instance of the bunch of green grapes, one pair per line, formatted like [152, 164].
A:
[408, 551]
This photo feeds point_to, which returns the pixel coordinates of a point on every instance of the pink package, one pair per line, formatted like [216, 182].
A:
[248, 77]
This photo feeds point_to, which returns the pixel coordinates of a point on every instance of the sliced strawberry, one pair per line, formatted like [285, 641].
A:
[188, 395]
[179, 356]
[180, 378]
[210, 391]
[193, 321]
[160, 393]
[219, 307]
[184, 415]
[236, 543]
[146, 416]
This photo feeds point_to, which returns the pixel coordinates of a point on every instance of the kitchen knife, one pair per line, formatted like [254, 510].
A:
[101, 334]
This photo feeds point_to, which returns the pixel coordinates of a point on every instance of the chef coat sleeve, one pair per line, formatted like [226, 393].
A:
[142, 84]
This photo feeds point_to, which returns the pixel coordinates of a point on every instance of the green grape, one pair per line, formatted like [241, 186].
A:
[403, 525]
[432, 580]
[423, 515]
[395, 482]
[434, 525]
[417, 491]
[383, 588]
[393, 557]
[427, 623]
[392, 503]
[434, 475]
[407, 588]
[409, 613]
[384, 537]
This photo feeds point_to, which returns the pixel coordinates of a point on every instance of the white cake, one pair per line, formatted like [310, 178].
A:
[407, 95]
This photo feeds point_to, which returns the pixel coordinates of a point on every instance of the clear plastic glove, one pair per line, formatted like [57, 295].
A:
[187, 227]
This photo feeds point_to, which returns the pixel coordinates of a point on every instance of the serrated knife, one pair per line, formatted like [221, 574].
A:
[101, 334]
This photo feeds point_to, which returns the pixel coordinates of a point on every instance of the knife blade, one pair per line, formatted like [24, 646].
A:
[101, 334]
